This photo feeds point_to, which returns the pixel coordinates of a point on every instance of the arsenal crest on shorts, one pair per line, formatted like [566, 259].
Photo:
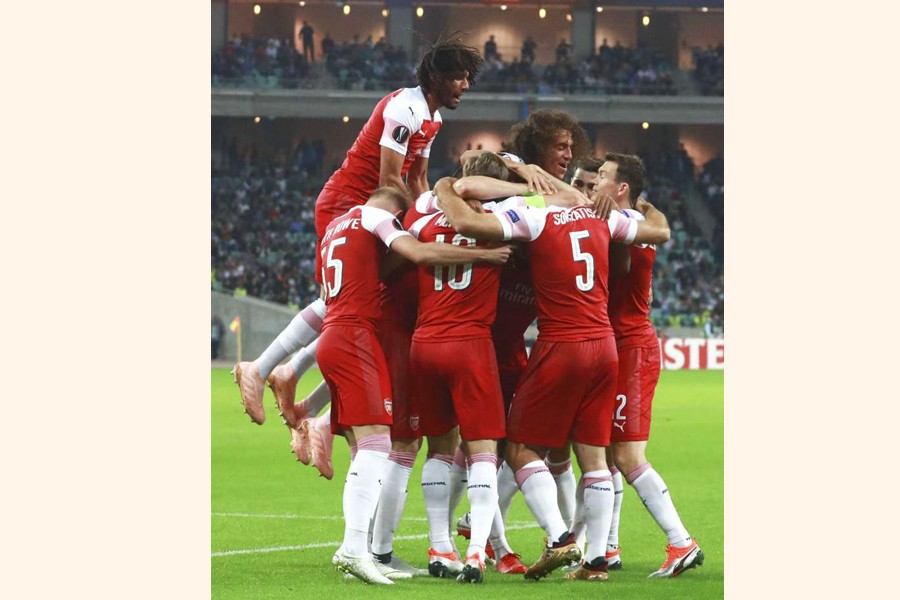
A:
[414, 422]
[388, 406]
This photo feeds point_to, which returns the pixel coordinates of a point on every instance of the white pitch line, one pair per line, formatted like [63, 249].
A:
[320, 517]
[418, 536]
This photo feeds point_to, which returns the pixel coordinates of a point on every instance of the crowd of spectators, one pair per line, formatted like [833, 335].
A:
[260, 63]
[611, 70]
[712, 188]
[263, 232]
[688, 277]
[368, 65]
[377, 65]
[263, 223]
[709, 70]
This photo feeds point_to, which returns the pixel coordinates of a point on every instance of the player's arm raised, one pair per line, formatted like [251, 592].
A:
[481, 226]
[535, 178]
[655, 228]
[417, 177]
[436, 254]
[479, 187]
[389, 172]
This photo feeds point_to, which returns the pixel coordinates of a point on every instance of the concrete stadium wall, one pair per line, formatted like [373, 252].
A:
[261, 322]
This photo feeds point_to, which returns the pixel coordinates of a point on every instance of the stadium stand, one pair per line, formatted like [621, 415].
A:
[709, 70]
[368, 65]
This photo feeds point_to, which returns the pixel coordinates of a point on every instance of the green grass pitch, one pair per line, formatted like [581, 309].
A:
[275, 523]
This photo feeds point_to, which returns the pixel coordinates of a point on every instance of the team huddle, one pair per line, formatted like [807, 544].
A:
[426, 297]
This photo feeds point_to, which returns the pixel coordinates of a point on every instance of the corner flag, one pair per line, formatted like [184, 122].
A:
[236, 324]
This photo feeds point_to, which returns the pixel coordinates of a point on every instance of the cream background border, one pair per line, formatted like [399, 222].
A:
[105, 439]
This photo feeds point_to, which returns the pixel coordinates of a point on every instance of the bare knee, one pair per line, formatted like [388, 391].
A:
[409, 445]
[518, 455]
[628, 456]
[443, 444]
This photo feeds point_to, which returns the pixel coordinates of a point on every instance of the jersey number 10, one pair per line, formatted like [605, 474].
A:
[452, 282]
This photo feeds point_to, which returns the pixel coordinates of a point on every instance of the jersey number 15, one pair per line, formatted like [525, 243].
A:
[336, 265]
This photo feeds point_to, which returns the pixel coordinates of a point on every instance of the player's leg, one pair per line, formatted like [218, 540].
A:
[283, 383]
[598, 498]
[506, 488]
[313, 442]
[560, 464]
[391, 503]
[510, 374]
[631, 430]
[458, 482]
[613, 553]
[373, 443]
[353, 364]
[443, 561]
[481, 459]
[539, 491]
[251, 376]
[590, 434]
[682, 551]
[395, 342]
[538, 421]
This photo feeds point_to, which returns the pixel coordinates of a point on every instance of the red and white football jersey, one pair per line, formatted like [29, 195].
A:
[516, 308]
[402, 122]
[569, 252]
[351, 253]
[456, 302]
[400, 291]
[629, 298]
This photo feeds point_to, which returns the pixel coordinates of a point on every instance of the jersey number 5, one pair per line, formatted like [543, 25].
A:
[452, 282]
[586, 283]
[333, 288]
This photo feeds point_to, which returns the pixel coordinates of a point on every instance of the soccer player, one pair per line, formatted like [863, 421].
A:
[567, 390]
[456, 390]
[584, 179]
[352, 361]
[399, 305]
[622, 177]
[394, 143]
[549, 140]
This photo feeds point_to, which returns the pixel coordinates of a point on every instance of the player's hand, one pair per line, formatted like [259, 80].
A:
[537, 179]
[603, 204]
[580, 198]
[475, 205]
[642, 206]
[499, 255]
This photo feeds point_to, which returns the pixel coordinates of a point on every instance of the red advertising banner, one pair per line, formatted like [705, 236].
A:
[692, 353]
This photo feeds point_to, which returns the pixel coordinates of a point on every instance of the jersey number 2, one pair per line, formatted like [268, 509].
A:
[452, 282]
[586, 283]
[337, 265]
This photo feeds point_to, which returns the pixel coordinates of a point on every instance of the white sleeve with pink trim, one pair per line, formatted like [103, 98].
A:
[522, 223]
[416, 228]
[427, 203]
[399, 124]
[382, 224]
[622, 228]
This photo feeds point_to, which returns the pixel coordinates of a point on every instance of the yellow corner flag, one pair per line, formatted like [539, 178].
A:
[236, 327]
